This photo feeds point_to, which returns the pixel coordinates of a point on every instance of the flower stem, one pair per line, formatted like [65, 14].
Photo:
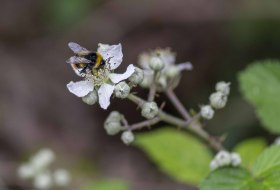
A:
[197, 130]
[152, 91]
[177, 104]
[146, 123]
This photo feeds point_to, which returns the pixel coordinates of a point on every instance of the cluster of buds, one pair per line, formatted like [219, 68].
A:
[217, 100]
[224, 158]
[114, 124]
[160, 63]
[38, 170]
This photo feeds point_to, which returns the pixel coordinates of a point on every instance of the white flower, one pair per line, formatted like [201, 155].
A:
[104, 80]
[223, 87]
[223, 158]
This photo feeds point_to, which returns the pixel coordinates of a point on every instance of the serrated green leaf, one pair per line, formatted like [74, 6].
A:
[108, 185]
[227, 179]
[249, 150]
[176, 153]
[260, 84]
[268, 162]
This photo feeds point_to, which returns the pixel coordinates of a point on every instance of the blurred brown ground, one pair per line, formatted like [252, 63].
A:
[36, 110]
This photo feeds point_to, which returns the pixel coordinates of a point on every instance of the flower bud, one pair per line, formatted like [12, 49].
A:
[218, 100]
[43, 181]
[127, 137]
[91, 98]
[26, 171]
[161, 83]
[172, 72]
[235, 159]
[223, 158]
[61, 177]
[149, 110]
[156, 63]
[223, 87]
[207, 112]
[137, 77]
[112, 127]
[42, 159]
[147, 81]
[122, 90]
[114, 116]
[214, 165]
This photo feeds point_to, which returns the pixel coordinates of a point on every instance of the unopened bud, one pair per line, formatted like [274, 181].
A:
[91, 98]
[156, 63]
[112, 128]
[43, 181]
[61, 177]
[223, 158]
[114, 116]
[172, 72]
[137, 77]
[122, 90]
[127, 137]
[207, 112]
[218, 100]
[214, 165]
[147, 81]
[223, 87]
[235, 159]
[149, 110]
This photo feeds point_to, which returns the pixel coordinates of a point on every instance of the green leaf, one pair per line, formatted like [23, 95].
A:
[227, 179]
[108, 185]
[176, 153]
[268, 162]
[249, 150]
[260, 84]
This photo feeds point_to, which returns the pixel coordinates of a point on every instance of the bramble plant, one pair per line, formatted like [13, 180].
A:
[182, 155]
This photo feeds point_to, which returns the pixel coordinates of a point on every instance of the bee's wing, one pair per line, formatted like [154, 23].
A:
[76, 48]
[75, 60]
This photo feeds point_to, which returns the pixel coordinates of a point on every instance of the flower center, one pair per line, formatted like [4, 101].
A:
[99, 76]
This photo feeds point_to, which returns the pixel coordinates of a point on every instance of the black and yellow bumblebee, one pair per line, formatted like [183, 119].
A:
[85, 61]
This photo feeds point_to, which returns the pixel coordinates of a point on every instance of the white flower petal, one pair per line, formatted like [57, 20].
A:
[111, 53]
[115, 78]
[80, 88]
[184, 66]
[104, 93]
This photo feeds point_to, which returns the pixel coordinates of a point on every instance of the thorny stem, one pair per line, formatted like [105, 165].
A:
[197, 130]
[177, 104]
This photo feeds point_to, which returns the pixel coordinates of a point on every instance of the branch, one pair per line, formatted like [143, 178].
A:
[177, 104]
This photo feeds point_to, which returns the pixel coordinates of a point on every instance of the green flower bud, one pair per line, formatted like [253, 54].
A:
[112, 127]
[223, 158]
[156, 63]
[223, 87]
[91, 98]
[207, 112]
[149, 110]
[218, 100]
[235, 159]
[137, 77]
[114, 116]
[127, 137]
[122, 90]
[172, 72]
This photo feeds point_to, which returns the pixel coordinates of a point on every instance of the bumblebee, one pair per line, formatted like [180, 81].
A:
[85, 61]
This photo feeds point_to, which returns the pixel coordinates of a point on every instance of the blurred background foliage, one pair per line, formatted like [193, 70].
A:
[219, 37]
